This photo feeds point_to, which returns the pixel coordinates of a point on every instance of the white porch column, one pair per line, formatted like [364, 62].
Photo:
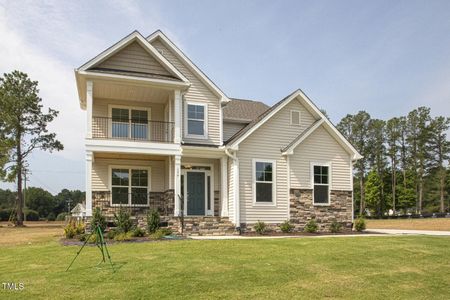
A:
[89, 159]
[177, 184]
[237, 203]
[177, 116]
[224, 186]
[89, 93]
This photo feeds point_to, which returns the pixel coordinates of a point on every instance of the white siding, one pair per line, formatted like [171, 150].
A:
[100, 173]
[100, 108]
[136, 59]
[229, 129]
[265, 143]
[197, 92]
[320, 146]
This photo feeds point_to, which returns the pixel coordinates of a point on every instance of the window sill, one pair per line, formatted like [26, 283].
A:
[264, 204]
[321, 204]
[199, 137]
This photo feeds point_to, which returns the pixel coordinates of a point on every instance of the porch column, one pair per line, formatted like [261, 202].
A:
[89, 159]
[177, 184]
[177, 116]
[89, 92]
[224, 186]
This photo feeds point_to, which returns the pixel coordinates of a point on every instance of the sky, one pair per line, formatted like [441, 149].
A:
[385, 57]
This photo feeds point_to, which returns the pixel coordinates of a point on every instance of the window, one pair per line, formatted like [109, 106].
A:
[129, 186]
[295, 117]
[129, 123]
[264, 182]
[196, 120]
[321, 174]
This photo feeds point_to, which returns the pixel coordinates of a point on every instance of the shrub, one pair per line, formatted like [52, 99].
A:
[360, 224]
[335, 227]
[166, 230]
[51, 217]
[98, 218]
[286, 226]
[123, 221]
[92, 239]
[260, 227]
[32, 215]
[123, 236]
[112, 233]
[70, 231]
[158, 235]
[152, 221]
[138, 232]
[5, 213]
[311, 226]
[61, 216]
[80, 228]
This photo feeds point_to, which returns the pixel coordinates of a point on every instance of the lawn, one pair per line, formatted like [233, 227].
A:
[441, 224]
[346, 267]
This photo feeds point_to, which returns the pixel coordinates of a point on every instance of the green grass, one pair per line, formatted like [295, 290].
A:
[354, 267]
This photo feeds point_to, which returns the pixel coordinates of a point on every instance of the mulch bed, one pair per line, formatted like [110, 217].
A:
[305, 233]
[76, 242]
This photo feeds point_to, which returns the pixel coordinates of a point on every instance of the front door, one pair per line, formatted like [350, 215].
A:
[195, 193]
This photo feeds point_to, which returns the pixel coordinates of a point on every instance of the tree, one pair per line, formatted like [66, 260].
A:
[23, 128]
[439, 149]
[373, 192]
[39, 200]
[393, 135]
[355, 128]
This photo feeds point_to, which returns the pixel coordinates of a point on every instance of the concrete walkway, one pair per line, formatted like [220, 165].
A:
[414, 232]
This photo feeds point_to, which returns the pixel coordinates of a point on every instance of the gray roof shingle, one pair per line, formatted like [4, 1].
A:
[243, 110]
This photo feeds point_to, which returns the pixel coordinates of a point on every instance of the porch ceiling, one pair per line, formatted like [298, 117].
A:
[117, 91]
[106, 155]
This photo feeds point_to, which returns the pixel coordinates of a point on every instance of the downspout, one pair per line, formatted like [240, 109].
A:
[237, 210]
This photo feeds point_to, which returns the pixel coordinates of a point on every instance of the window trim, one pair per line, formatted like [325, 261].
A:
[274, 182]
[130, 108]
[299, 117]
[205, 120]
[130, 167]
[330, 180]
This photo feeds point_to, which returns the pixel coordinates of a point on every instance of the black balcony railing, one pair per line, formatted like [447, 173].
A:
[129, 129]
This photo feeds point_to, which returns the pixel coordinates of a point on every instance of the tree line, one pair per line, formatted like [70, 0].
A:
[39, 203]
[405, 162]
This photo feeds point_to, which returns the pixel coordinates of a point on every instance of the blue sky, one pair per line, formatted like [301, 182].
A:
[385, 57]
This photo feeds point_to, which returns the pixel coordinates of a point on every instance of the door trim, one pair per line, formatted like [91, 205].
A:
[208, 173]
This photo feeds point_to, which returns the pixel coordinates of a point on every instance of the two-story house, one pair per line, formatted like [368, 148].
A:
[160, 134]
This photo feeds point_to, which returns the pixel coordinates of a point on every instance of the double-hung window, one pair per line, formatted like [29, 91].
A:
[129, 186]
[196, 120]
[129, 123]
[264, 188]
[321, 178]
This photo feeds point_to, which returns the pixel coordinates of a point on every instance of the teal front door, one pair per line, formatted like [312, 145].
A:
[195, 193]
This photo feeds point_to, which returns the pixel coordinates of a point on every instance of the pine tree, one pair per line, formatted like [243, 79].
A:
[393, 136]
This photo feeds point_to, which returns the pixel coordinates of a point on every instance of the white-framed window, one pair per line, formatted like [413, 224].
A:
[295, 117]
[196, 120]
[129, 122]
[321, 178]
[129, 185]
[264, 179]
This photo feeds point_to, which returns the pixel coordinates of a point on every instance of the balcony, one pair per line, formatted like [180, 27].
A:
[136, 129]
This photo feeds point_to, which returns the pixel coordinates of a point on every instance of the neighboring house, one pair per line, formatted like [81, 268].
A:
[79, 211]
[162, 135]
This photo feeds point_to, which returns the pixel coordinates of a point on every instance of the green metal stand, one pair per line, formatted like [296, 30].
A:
[100, 243]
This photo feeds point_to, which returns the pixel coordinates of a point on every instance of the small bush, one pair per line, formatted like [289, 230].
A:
[260, 227]
[98, 218]
[70, 231]
[123, 236]
[158, 235]
[5, 213]
[286, 226]
[123, 221]
[335, 227]
[153, 220]
[360, 224]
[31, 215]
[61, 216]
[166, 230]
[51, 217]
[311, 226]
[138, 232]
[80, 228]
[92, 239]
[112, 233]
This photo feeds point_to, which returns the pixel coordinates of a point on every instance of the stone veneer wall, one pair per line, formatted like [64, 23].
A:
[302, 209]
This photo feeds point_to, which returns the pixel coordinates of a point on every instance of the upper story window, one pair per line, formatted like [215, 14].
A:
[321, 179]
[264, 181]
[295, 117]
[196, 120]
[129, 123]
